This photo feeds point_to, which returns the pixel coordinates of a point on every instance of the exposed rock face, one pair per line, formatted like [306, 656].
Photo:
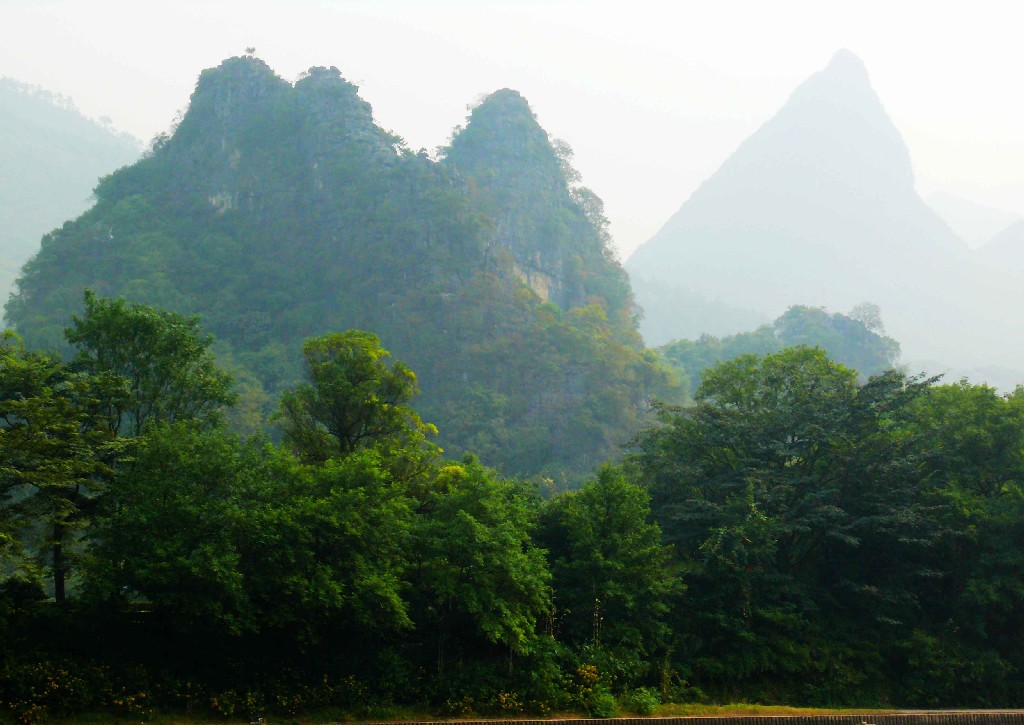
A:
[279, 212]
[818, 207]
[523, 181]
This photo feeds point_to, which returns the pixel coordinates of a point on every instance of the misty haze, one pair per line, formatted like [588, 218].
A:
[490, 361]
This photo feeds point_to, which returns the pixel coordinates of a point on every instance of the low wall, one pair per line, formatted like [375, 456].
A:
[973, 717]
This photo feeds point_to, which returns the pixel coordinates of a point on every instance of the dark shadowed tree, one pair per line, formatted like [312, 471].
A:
[57, 452]
[794, 498]
[614, 581]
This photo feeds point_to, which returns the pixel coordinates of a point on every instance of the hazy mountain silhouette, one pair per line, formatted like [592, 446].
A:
[818, 207]
[1005, 251]
[976, 224]
[50, 159]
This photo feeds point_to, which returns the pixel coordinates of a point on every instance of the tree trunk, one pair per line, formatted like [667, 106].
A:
[58, 563]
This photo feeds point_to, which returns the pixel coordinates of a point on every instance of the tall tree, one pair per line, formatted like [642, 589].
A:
[354, 399]
[968, 634]
[164, 357]
[794, 498]
[476, 574]
[57, 450]
[613, 579]
[169, 534]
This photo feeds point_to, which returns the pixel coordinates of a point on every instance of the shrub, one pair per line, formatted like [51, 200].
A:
[602, 704]
[642, 701]
[35, 690]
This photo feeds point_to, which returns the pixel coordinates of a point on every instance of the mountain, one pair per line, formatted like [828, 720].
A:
[818, 208]
[555, 232]
[1005, 251]
[670, 310]
[279, 212]
[974, 223]
[51, 157]
[856, 340]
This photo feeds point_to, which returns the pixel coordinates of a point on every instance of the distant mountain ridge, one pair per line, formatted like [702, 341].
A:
[280, 211]
[976, 224]
[51, 157]
[818, 208]
[1005, 251]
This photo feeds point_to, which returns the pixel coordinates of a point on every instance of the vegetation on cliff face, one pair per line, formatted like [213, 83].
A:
[553, 228]
[281, 211]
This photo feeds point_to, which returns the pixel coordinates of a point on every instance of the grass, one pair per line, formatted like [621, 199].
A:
[399, 715]
[697, 710]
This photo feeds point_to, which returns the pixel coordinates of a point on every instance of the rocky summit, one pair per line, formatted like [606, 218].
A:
[280, 211]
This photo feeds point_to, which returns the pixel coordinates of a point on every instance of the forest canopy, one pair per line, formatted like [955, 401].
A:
[799, 534]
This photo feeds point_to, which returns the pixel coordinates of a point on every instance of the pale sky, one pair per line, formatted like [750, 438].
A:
[652, 96]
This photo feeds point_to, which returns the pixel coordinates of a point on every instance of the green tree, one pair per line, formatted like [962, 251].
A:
[976, 598]
[977, 436]
[243, 542]
[613, 579]
[476, 574]
[164, 357]
[354, 400]
[169, 533]
[57, 451]
[325, 547]
[856, 340]
[794, 498]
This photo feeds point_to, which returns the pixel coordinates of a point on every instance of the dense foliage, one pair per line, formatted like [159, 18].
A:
[856, 340]
[831, 533]
[352, 556]
[281, 212]
[795, 536]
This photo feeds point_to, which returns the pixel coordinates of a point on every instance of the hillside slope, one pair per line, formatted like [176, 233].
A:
[50, 159]
[280, 211]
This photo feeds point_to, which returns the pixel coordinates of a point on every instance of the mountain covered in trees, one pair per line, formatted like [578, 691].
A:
[818, 207]
[856, 340]
[280, 211]
[51, 156]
